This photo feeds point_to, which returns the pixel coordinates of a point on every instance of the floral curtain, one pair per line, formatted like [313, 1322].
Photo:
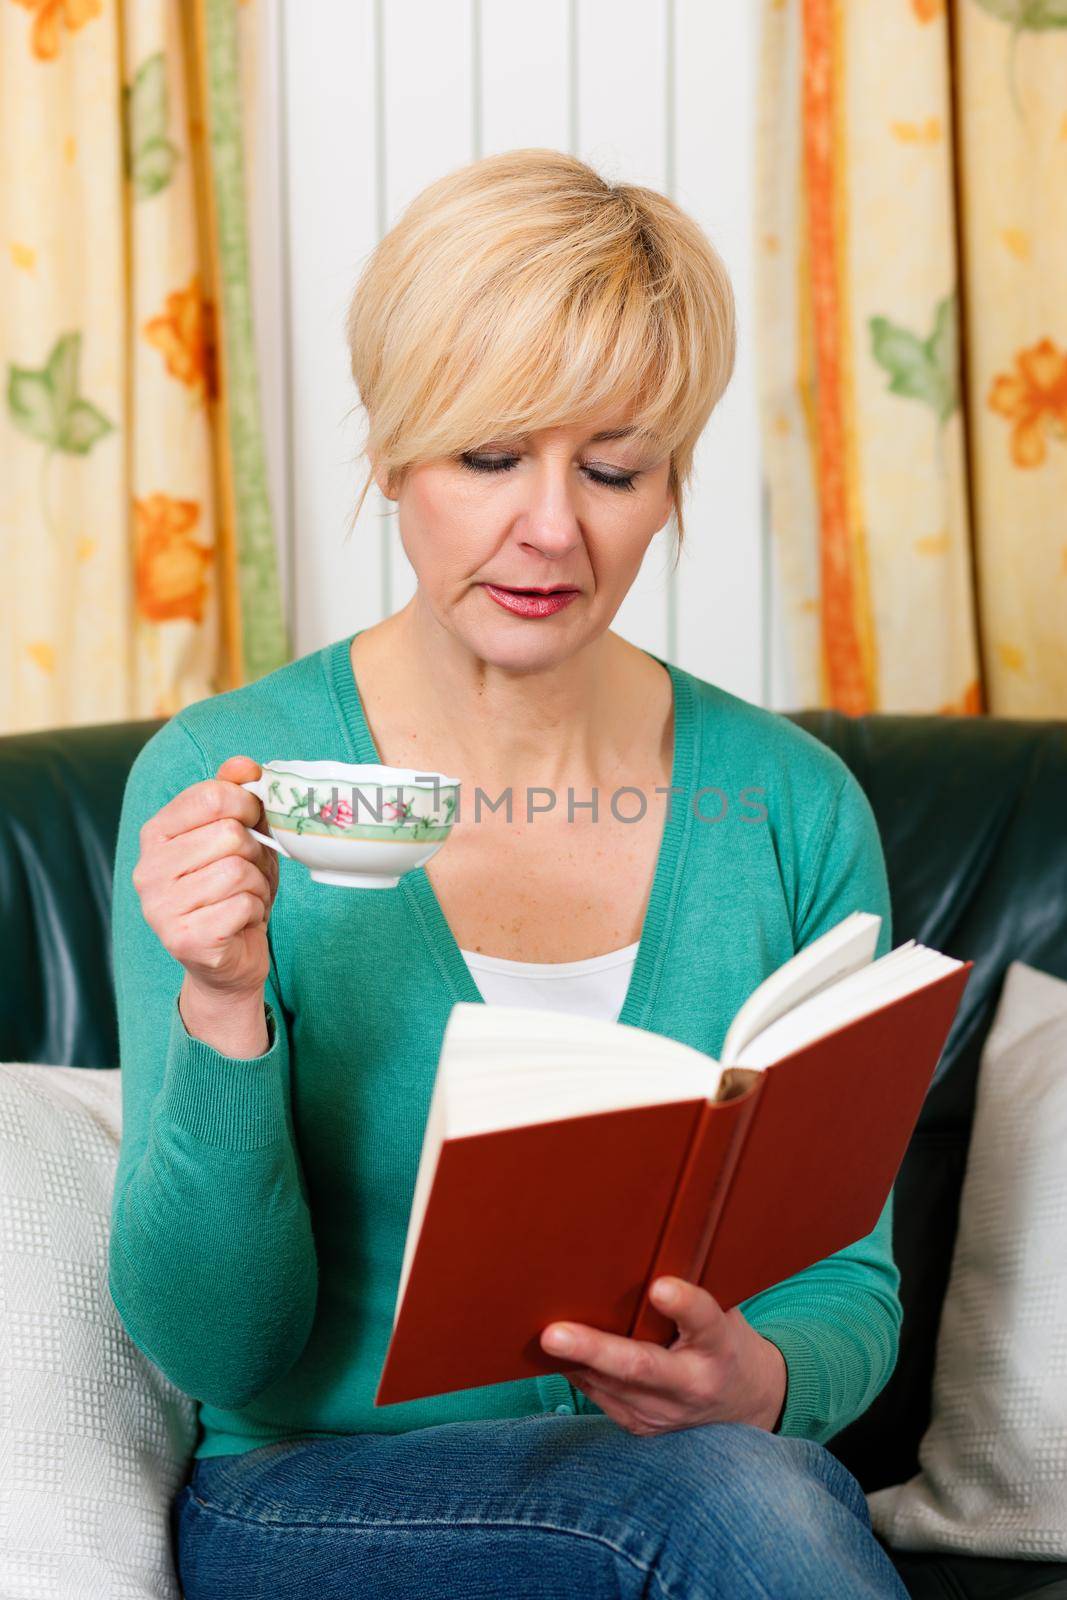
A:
[138, 551]
[912, 332]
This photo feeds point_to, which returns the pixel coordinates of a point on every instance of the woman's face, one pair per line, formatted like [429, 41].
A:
[561, 509]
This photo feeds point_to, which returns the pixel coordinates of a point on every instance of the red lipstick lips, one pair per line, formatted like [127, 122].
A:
[531, 603]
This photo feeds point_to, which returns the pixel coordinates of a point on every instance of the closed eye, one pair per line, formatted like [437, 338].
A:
[475, 463]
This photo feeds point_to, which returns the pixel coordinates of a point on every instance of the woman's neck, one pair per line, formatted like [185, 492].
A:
[581, 722]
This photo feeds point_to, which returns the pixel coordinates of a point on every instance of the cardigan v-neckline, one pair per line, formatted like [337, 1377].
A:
[660, 912]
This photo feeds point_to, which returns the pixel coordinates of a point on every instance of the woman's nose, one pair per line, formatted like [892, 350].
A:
[551, 522]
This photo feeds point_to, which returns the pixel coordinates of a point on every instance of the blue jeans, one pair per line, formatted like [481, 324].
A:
[541, 1506]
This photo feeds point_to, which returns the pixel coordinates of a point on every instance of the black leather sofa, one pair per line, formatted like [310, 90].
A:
[973, 819]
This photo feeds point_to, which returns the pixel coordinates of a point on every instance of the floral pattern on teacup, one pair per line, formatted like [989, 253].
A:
[397, 810]
[301, 807]
[340, 815]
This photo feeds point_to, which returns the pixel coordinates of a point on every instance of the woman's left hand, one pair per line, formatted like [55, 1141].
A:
[718, 1369]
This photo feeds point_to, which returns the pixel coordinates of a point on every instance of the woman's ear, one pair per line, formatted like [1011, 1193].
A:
[672, 499]
[381, 478]
[669, 508]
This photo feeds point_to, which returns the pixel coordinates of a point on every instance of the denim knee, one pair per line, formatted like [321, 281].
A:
[730, 1509]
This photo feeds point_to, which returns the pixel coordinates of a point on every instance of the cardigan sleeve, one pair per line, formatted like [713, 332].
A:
[837, 1323]
[212, 1263]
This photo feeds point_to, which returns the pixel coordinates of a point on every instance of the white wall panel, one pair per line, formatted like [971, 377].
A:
[328, 60]
[427, 91]
[379, 97]
[525, 59]
[620, 76]
[721, 632]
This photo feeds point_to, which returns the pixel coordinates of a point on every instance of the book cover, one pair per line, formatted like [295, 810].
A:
[573, 1218]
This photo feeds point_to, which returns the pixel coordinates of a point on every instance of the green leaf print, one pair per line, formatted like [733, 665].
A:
[1024, 16]
[46, 405]
[921, 369]
[1030, 15]
[62, 370]
[82, 427]
[30, 403]
[150, 156]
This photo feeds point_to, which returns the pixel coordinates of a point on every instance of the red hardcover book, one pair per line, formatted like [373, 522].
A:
[567, 1162]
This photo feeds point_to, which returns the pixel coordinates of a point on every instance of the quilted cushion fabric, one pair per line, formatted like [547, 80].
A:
[94, 1440]
[993, 1461]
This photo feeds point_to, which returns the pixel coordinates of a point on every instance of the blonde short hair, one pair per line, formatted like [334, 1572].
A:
[523, 292]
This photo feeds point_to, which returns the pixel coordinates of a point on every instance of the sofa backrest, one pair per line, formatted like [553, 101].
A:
[972, 813]
[60, 797]
[973, 818]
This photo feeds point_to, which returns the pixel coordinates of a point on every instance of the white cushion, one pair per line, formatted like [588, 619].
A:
[993, 1478]
[94, 1440]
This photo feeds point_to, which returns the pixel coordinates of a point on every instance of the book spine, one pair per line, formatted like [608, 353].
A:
[698, 1199]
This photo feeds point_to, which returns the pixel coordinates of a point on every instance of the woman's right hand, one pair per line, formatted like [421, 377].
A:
[206, 889]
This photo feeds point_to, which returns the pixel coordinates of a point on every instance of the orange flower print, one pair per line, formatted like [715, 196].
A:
[1034, 398]
[184, 333]
[169, 565]
[928, 10]
[52, 15]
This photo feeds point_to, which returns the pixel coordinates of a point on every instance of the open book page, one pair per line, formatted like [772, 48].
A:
[511, 1066]
[841, 950]
[911, 966]
[506, 1066]
[431, 1145]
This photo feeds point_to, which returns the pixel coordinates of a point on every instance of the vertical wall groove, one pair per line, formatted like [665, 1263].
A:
[572, 77]
[380, 220]
[284, 235]
[476, 79]
[670, 98]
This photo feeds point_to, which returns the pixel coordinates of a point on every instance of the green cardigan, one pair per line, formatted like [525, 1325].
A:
[260, 1205]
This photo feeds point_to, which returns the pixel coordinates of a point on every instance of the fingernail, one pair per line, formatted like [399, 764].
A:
[560, 1339]
[666, 1293]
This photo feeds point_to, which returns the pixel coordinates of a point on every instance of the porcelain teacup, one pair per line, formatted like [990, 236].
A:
[354, 824]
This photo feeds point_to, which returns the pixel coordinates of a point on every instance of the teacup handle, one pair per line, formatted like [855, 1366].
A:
[258, 787]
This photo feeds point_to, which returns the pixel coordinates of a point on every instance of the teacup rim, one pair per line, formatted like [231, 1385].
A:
[374, 774]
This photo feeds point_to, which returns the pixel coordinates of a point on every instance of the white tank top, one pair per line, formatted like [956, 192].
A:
[595, 987]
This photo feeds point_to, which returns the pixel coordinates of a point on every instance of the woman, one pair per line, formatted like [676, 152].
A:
[538, 352]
